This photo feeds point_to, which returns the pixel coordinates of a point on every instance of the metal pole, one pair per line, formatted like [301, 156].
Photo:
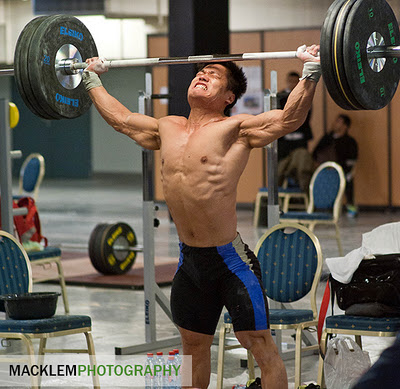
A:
[152, 292]
[267, 107]
[272, 154]
[5, 169]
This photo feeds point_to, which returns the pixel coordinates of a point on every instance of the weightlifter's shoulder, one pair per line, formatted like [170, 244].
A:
[172, 120]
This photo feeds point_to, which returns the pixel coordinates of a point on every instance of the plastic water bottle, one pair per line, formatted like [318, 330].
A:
[148, 378]
[160, 382]
[178, 364]
[171, 370]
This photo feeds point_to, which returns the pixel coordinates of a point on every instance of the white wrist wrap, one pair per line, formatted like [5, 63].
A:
[311, 71]
[90, 80]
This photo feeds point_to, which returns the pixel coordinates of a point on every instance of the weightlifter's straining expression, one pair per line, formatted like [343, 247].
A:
[211, 82]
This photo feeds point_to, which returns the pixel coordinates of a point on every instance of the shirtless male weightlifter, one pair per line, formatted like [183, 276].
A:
[203, 158]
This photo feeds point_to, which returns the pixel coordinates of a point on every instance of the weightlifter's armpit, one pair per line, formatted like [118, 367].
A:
[311, 71]
[90, 80]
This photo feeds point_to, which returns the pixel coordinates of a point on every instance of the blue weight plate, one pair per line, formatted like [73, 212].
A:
[22, 69]
[56, 37]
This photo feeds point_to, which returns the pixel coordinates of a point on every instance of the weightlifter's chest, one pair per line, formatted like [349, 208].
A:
[203, 150]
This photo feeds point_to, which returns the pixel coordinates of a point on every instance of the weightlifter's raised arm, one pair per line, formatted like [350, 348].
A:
[262, 129]
[141, 128]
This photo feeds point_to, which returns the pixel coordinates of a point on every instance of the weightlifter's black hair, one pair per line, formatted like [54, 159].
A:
[237, 80]
[293, 74]
[346, 119]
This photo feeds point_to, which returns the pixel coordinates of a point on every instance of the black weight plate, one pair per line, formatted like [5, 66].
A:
[117, 261]
[95, 247]
[337, 53]
[21, 68]
[54, 33]
[326, 53]
[373, 90]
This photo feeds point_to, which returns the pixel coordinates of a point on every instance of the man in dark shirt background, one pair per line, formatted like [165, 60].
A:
[338, 146]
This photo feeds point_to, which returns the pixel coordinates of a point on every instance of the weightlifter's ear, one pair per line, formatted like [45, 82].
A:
[231, 98]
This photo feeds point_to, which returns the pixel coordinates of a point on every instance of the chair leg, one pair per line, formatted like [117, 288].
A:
[286, 201]
[63, 286]
[358, 340]
[92, 358]
[250, 365]
[297, 357]
[42, 347]
[257, 210]
[221, 356]
[339, 242]
[311, 226]
[31, 354]
[320, 380]
[306, 202]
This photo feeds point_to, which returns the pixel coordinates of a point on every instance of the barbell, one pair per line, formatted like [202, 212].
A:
[358, 47]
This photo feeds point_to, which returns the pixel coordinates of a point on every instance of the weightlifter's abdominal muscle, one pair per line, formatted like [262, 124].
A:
[200, 169]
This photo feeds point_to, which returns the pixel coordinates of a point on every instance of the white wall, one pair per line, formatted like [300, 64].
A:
[117, 38]
[276, 14]
[113, 152]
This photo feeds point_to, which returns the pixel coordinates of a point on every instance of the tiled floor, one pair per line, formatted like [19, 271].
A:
[70, 209]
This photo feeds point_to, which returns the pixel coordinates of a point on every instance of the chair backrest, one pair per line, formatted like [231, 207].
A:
[31, 174]
[290, 256]
[327, 187]
[15, 268]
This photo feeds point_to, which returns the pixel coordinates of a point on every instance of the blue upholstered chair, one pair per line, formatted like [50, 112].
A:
[356, 326]
[289, 190]
[326, 193]
[15, 277]
[31, 175]
[291, 262]
[48, 256]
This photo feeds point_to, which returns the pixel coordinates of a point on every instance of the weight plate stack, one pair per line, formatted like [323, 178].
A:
[21, 68]
[327, 55]
[372, 89]
[110, 248]
[338, 58]
[48, 39]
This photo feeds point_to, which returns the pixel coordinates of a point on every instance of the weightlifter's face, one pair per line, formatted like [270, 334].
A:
[211, 83]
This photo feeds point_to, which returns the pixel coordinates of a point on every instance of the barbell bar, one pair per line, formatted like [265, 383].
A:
[359, 51]
[69, 66]
[372, 52]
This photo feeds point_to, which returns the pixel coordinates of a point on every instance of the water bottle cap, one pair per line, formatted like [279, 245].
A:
[149, 354]
[176, 351]
[171, 353]
[159, 353]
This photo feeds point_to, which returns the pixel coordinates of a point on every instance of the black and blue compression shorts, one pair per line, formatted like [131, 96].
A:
[209, 278]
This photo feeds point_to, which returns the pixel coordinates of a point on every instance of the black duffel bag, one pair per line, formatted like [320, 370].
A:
[374, 289]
